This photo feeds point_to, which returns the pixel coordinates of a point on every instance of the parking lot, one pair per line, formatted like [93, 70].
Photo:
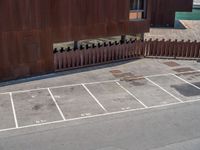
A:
[125, 92]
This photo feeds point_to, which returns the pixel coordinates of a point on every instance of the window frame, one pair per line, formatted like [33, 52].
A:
[138, 11]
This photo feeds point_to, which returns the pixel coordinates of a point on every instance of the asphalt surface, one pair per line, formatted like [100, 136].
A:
[138, 105]
[174, 127]
[184, 30]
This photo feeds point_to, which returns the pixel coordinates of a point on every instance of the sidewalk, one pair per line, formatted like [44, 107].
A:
[191, 32]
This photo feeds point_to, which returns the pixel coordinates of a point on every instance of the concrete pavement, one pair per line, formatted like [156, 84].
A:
[147, 104]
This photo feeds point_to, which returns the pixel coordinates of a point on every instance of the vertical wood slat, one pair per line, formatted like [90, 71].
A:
[103, 54]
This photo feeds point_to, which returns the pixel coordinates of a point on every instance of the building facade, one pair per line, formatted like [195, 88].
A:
[164, 11]
[29, 28]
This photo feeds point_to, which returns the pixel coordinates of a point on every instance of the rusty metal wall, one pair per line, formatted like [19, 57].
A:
[25, 38]
[163, 11]
[83, 19]
[28, 29]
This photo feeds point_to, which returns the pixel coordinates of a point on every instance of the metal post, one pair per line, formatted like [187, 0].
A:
[76, 45]
[142, 36]
[123, 39]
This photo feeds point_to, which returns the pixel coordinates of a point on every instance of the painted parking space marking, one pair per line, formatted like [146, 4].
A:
[155, 96]
[145, 106]
[177, 87]
[13, 110]
[35, 107]
[56, 87]
[76, 102]
[94, 97]
[101, 115]
[60, 111]
[6, 112]
[192, 78]
[178, 99]
[186, 81]
[26, 100]
[113, 97]
[108, 81]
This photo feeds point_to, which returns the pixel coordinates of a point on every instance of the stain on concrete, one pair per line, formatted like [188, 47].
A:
[4, 105]
[116, 73]
[171, 64]
[37, 107]
[120, 100]
[193, 74]
[71, 89]
[197, 84]
[138, 82]
[187, 90]
[125, 75]
[183, 69]
[190, 76]
[128, 77]
[197, 75]
[51, 104]
[131, 78]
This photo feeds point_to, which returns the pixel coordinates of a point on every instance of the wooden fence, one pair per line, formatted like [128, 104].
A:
[175, 49]
[68, 59]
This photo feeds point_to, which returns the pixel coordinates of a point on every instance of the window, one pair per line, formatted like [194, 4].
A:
[136, 4]
[137, 9]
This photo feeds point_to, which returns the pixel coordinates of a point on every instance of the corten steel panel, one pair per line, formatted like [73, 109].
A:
[25, 53]
[25, 38]
[93, 18]
[28, 29]
[163, 11]
[17, 15]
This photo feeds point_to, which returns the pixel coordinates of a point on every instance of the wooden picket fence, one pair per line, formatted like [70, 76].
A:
[137, 49]
[173, 49]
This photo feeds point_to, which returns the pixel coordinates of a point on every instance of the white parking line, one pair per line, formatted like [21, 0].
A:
[13, 109]
[109, 81]
[186, 81]
[55, 87]
[60, 111]
[131, 95]
[164, 90]
[167, 74]
[94, 98]
[101, 115]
